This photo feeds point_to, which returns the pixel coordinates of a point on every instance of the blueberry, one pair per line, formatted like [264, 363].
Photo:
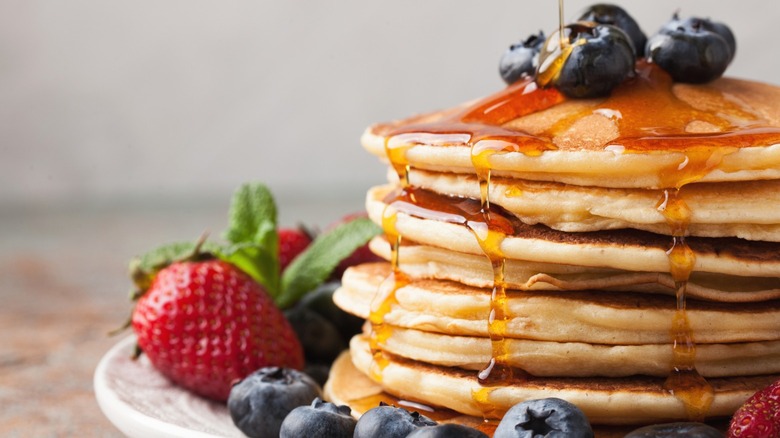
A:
[520, 60]
[676, 430]
[549, 417]
[390, 422]
[320, 340]
[689, 51]
[712, 26]
[318, 371]
[450, 430]
[321, 419]
[603, 13]
[593, 60]
[320, 300]
[259, 402]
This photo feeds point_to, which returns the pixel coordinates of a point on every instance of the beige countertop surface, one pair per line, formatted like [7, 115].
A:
[63, 286]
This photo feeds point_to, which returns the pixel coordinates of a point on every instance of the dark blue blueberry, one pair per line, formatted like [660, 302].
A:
[450, 430]
[689, 51]
[676, 430]
[549, 417]
[320, 340]
[604, 13]
[318, 371]
[321, 420]
[712, 26]
[320, 300]
[259, 402]
[520, 60]
[591, 62]
[390, 422]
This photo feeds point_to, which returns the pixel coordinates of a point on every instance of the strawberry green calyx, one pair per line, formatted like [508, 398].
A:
[143, 269]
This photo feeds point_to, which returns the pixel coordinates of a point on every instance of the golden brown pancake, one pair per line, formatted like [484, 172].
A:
[633, 400]
[629, 250]
[596, 317]
[580, 359]
[350, 387]
[650, 133]
[420, 261]
[747, 209]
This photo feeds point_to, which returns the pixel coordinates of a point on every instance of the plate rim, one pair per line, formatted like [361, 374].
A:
[125, 417]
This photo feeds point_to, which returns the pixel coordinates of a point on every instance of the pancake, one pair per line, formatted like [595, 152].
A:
[579, 359]
[748, 209]
[350, 387]
[628, 250]
[596, 317]
[650, 133]
[635, 400]
[420, 261]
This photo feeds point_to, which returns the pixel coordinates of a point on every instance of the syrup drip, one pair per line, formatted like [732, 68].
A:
[684, 381]
[560, 20]
[498, 370]
[555, 52]
[385, 299]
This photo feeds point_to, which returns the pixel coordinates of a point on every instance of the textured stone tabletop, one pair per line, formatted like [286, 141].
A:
[63, 286]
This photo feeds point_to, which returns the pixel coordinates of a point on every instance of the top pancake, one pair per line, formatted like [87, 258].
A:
[649, 133]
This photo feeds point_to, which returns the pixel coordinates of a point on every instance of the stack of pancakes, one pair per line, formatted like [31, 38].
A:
[620, 253]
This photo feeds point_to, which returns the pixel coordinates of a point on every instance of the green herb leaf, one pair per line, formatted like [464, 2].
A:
[145, 267]
[257, 262]
[317, 262]
[252, 217]
[252, 231]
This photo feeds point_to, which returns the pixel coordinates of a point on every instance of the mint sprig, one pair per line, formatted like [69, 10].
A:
[254, 242]
[253, 246]
[317, 262]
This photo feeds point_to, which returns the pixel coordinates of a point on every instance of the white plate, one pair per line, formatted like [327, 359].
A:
[141, 403]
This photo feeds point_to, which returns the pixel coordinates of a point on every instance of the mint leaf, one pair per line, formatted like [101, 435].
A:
[317, 262]
[257, 262]
[252, 232]
[252, 217]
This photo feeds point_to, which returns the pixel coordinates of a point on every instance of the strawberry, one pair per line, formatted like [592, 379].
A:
[208, 314]
[759, 417]
[292, 241]
[206, 324]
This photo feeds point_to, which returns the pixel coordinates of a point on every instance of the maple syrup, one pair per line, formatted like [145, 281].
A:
[385, 299]
[649, 118]
[684, 381]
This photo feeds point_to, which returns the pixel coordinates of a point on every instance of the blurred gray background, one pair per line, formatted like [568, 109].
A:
[106, 102]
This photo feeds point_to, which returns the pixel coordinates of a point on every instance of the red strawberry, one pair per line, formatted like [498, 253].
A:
[292, 241]
[361, 255]
[206, 324]
[759, 417]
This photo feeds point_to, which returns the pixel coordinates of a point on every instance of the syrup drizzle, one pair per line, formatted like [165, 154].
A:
[684, 381]
[649, 117]
[385, 299]
[498, 369]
